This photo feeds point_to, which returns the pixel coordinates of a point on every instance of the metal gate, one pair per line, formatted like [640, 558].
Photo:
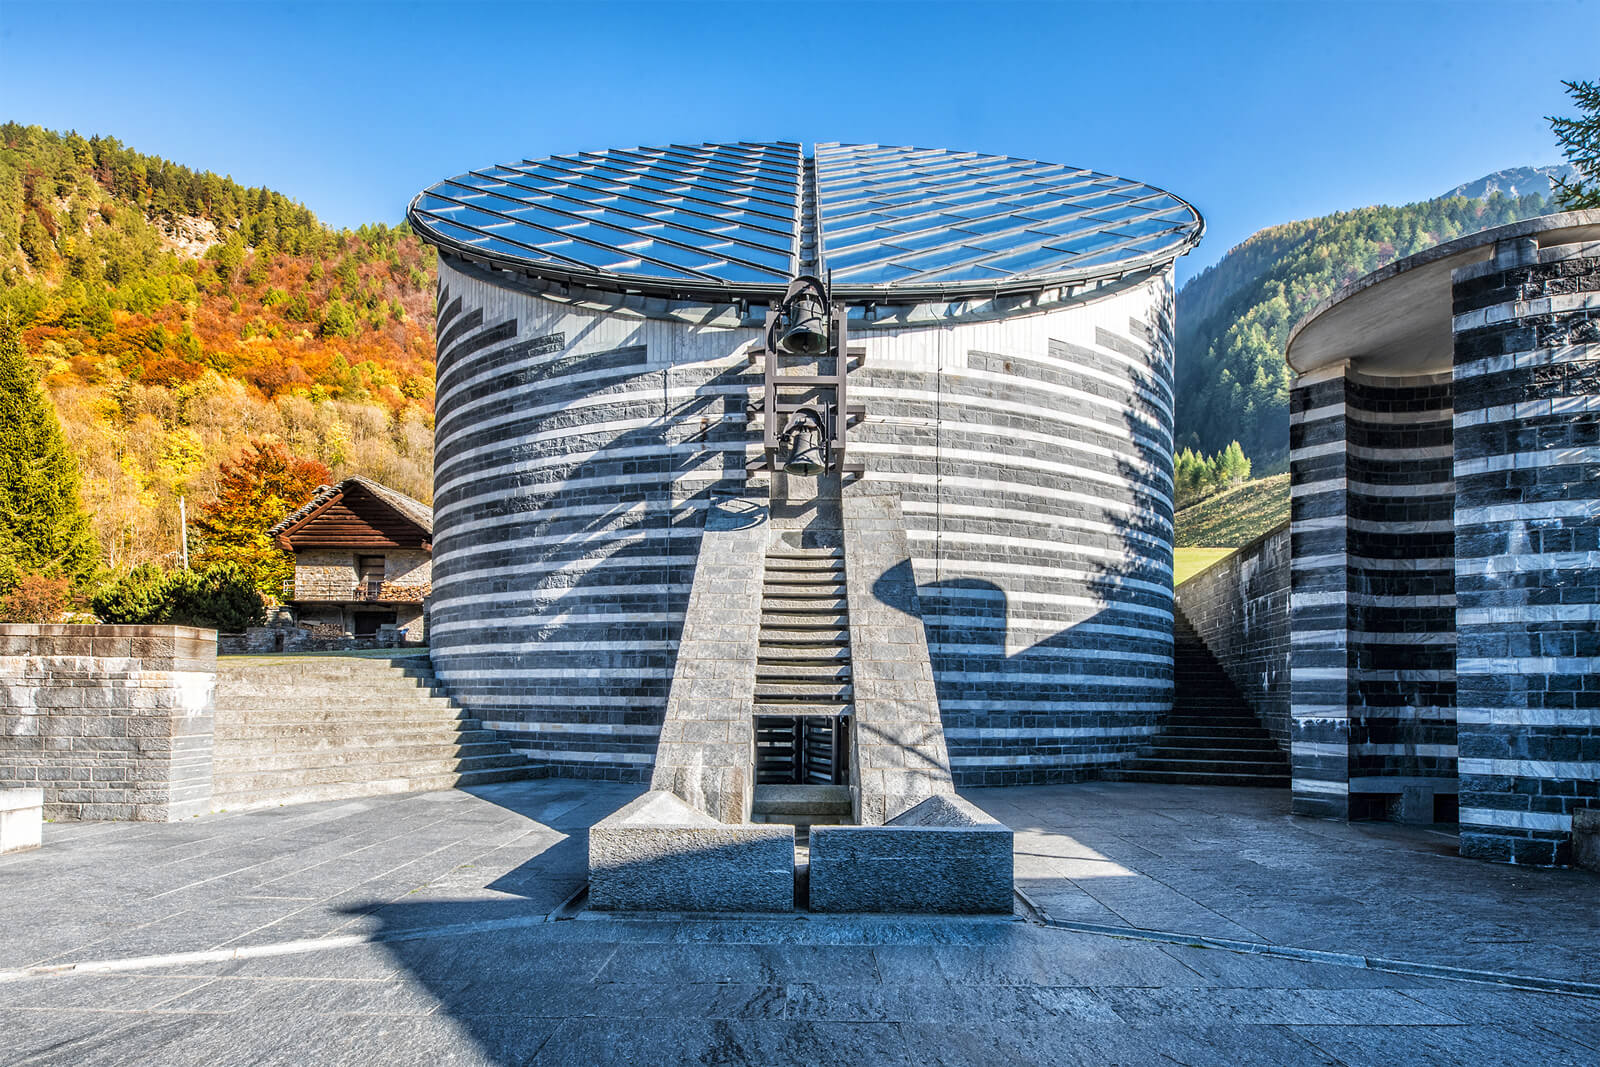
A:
[802, 750]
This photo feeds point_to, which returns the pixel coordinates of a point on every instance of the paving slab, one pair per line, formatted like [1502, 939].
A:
[435, 933]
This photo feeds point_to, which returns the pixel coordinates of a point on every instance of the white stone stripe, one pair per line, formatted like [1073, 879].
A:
[582, 565]
[524, 415]
[1319, 748]
[555, 618]
[611, 454]
[937, 401]
[1327, 411]
[1319, 713]
[1048, 600]
[1529, 716]
[1000, 461]
[1054, 653]
[1398, 418]
[1016, 489]
[1007, 435]
[1528, 409]
[1079, 675]
[532, 674]
[1504, 513]
[1500, 665]
[1526, 768]
[1524, 564]
[1093, 701]
[613, 428]
[1526, 614]
[1319, 785]
[1511, 362]
[1068, 551]
[1395, 455]
[1045, 628]
[1337, 560]
[1512, 310]
[960, 568]
[555, 488]
[1318, 674]
[996, 733]
[510, 647]
[1012, 383]
[1037, 518]
[1519, 820]
[1552, 457]
[552, 595]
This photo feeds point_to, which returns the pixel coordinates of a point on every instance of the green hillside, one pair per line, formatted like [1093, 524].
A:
[1219, 524]
[1234, 318]
[1236, 516]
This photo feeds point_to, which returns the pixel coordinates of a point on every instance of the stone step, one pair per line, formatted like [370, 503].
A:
[822, 640]
[819, 691]
[278, 715]
[785, 655]
[1273, 781]
[363, 755]
[772, 674]
[1219, 739]
[819, 620]
[247, 800]
[785, 552]
[248, 781]
[1209, 765]
[332, 668]
[803, 800]
[1218, 752]
[807, 591]
[823, 708]
[833, 606]
[832, 571]
[360, 694]
[282, 734]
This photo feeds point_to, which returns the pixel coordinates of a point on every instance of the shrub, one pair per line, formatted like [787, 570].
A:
[222, 596]
[36, 598]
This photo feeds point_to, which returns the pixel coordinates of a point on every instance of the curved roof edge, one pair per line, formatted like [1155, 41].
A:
[886, 246]
[1405, 327]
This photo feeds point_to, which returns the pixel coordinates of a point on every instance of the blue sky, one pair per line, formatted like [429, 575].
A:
[1256, 113]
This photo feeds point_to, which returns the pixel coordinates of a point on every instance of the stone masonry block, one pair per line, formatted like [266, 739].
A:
[946, 855]
[659, 854]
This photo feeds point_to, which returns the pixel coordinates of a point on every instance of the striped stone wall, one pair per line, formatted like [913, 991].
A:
[1372, 607]
[575, 448]
[1033, 457]
[1527, 514]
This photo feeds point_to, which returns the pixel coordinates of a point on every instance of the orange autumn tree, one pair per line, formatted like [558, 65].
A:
[255, 490]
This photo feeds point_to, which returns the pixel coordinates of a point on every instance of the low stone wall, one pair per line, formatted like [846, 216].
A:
[1240, 608]
[659, 854]
[112, 722]
[944, 856]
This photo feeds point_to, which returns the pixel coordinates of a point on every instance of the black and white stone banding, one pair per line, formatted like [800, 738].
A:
[1445, 620]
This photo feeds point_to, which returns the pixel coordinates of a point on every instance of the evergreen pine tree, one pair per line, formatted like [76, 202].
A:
[43, 528]
[1580, 143]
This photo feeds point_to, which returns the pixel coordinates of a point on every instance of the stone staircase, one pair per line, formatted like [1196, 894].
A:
[1212, 736]
[803, 694]
[293, 729]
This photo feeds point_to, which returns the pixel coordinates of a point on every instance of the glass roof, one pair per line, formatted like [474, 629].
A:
[728, 217]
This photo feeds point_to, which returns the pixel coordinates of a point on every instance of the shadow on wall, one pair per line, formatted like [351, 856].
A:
[611, 674]
[974, 663]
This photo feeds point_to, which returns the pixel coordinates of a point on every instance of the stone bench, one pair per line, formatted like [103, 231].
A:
[659, 854]
[1586, 838]
[21, 819]
[945, 855]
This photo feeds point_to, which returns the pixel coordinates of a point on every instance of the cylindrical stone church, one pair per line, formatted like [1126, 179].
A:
[1014, 319]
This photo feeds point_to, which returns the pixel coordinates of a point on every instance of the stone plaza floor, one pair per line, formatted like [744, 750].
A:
[447, 928]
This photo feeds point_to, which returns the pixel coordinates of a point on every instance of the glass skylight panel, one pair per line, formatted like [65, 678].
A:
[887, 217]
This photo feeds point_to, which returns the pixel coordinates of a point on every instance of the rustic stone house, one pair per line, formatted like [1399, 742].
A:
[362, 560]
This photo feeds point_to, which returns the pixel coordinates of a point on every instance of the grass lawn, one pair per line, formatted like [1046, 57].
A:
[1187, 562]
[1235, 518]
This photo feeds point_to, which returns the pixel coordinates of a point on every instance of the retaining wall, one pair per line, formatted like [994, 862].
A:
[112, 722]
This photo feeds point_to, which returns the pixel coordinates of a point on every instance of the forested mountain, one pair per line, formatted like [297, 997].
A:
[1234, 318]
[173, 315]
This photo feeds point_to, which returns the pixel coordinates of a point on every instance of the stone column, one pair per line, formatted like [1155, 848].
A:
[1527, 514]
[1319, 602]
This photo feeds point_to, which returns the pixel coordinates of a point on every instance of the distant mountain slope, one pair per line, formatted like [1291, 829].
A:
[1518, 181]
[1234, 318]
[173, 314]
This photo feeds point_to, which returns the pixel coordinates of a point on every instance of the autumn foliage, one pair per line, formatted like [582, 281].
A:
[255, 490]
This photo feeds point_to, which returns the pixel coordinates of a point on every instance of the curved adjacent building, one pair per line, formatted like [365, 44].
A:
[1012, 327]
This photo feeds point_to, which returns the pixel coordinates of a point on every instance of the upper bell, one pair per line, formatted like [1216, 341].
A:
[806, 332]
